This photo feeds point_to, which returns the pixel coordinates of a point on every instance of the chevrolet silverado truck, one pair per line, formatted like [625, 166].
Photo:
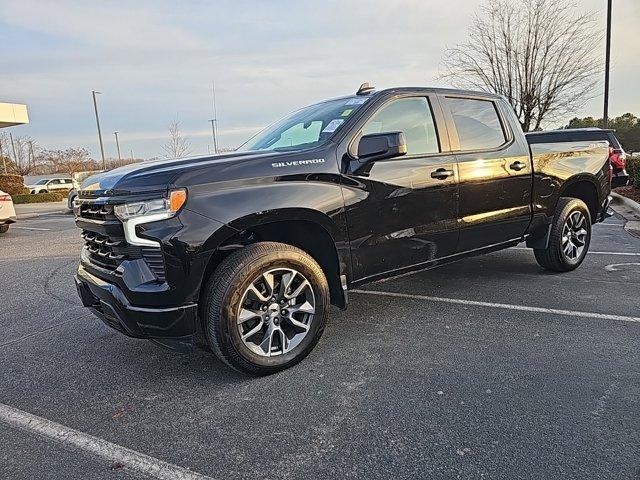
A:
[244, 252]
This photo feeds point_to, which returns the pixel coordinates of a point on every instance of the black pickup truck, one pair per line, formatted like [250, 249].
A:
[244, 252]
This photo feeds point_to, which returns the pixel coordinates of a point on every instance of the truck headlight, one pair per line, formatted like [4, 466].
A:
[137, 213]
[158, 207]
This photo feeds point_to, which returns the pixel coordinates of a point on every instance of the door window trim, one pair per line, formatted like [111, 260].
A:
[453, 131]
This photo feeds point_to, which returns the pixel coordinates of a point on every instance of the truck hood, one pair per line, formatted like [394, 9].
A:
[157, 175]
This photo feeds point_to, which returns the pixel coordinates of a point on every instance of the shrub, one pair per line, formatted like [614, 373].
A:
[633, 169]
[12, 184]
[38, 198]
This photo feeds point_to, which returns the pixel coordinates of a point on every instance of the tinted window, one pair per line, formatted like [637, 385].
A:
[477, 123]
[411, 116]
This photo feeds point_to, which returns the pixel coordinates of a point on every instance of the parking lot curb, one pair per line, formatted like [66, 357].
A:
[27, 216]
[629, 210]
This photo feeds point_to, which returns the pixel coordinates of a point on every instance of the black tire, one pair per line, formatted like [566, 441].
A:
[553, 257]
[224, 294]
[70, 201]
[4, 228]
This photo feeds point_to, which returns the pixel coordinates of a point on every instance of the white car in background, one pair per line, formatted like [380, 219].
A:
[51, 185]
[7, 212]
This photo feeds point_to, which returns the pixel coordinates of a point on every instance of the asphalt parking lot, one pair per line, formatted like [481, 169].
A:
[488, 368]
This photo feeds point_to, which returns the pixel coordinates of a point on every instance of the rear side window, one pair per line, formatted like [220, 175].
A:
[477, 123]
[411, 116]
[613, 141]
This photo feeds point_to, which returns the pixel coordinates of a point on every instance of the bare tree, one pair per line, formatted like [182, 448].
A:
[68, 161]
[177, 146]
[539, 54]
[23, 152]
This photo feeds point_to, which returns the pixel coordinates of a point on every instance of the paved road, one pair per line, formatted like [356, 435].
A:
[529, 382]
[29, 210]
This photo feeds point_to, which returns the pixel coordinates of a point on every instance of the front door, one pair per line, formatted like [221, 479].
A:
[402, 212]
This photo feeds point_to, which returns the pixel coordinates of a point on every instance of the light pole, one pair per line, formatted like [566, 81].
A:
[607, 62]
[95, 107]
[214, 121]
[13, 146]
[117, 145]
[213, 134]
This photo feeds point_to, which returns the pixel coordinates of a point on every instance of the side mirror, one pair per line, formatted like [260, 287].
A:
[380, 146]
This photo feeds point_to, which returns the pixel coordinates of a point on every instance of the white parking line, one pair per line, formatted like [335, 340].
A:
[111, 452]
[506, 306]
[591, 252]
[34, 228]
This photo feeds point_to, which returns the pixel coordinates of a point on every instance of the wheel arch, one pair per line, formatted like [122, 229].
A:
[311, 231]
[585, 188]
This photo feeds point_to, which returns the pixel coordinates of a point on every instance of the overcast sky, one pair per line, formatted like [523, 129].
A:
[154, 62]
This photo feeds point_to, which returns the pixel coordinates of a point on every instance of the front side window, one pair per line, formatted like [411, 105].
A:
[411, 116]
[306, 128]
[477, 123]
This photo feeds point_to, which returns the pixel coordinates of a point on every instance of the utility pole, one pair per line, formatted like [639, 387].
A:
[118, 146]
[605, 116]
[32, 158]
[4, 160]
[95, 107]
[213, 134]
[214, 120]
[13, 146]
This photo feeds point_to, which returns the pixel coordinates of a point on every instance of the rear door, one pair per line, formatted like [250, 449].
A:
[402, 212]
[494, 168]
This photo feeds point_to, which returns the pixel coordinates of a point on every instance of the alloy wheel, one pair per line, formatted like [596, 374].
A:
[574, 235]
[276, 312]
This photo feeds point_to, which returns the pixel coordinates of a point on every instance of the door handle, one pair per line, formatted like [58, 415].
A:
[517, 166]
[441, 173]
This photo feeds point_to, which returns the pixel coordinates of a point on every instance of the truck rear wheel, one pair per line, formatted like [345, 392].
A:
[569, 239]
[265, 307]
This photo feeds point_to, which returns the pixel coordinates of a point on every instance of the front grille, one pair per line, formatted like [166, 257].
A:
[97, 212]
[106, 245]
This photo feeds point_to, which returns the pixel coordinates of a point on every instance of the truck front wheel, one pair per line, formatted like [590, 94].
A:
[569, 239]
[265, 307]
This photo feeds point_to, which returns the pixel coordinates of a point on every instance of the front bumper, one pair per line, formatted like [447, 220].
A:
[172, 327]
[8, 220]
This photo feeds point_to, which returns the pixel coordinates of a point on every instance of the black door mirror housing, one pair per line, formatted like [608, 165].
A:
[381, 146]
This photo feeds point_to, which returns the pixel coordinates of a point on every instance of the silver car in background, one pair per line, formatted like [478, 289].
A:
[77, 179]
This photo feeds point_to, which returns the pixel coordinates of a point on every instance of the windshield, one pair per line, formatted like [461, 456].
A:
[305, 128]
[43, 181]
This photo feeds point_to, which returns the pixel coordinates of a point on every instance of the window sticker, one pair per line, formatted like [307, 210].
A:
[357, 101]
[333, 125]
[347, 112]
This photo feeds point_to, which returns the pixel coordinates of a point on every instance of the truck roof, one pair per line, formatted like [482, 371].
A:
[441, 90]
[571, 130]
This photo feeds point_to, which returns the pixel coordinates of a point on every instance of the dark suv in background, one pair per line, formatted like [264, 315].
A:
[617, 155]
